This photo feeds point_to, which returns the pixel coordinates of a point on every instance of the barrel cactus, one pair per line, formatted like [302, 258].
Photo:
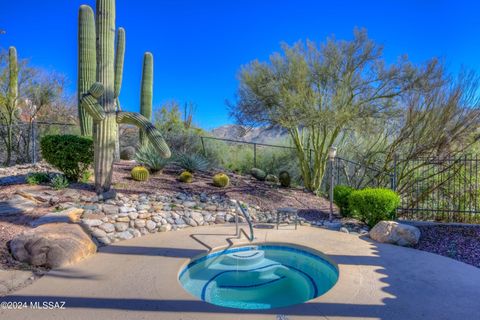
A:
[99, 96]
[186, 177]
[140, 173]
[221, 180]
[284, 178]
[258, 174]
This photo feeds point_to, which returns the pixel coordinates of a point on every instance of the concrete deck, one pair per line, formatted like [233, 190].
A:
[137, 279]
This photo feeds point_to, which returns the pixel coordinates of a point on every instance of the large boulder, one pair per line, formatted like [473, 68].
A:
[68, 215]
[53, 245]
[127, 153]
[395, 233]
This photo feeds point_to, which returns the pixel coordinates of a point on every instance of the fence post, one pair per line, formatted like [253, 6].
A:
[34, 143]
[393, 177]
[203, 146]
[331, 159]
[254, 155]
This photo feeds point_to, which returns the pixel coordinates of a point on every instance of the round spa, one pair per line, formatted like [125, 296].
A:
[259, 277]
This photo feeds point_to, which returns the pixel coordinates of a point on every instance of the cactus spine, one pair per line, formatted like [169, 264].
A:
[87, 63]
[147, 92]
[100, 102]
[11, 100]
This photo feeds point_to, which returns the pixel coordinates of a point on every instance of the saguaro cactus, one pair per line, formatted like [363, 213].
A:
[87, 64]
[100, 102]
[11, 100]
[146, 97]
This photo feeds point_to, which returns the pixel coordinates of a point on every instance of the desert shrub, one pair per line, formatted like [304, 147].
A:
[127, 153]
[37, 178]
[68, 153]
[271, 178]
[140, 173]
[285, 180]
[221, 180]
[372, 205]
[86, 175]
[341, 194]
[59, 182]
[258, 174]
[147, 156]
[185, 177]
[192, 162]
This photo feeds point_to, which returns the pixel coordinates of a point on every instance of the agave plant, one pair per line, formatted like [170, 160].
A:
[148, 157]
[192, 162]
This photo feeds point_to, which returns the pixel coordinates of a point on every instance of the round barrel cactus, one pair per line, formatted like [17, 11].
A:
[140, 173]
[186, 177]
[221, 180]
[285, 179]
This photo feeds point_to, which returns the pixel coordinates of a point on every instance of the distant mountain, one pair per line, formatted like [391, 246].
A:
[259, 134]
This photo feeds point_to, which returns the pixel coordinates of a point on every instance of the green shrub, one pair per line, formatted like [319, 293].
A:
[68, 153]
[140, 173]
[86, 175]
[147, 156]
[185, 177]
[59, 182]
[340, 197]
[372, 205]
[284, 178]
[258, 174]
[192, 162]
[37, 178]
[221, 180]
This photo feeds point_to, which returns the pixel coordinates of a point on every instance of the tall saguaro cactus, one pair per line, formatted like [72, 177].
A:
[101, 100]
[146, 98]
[87, 64]
[11, 100]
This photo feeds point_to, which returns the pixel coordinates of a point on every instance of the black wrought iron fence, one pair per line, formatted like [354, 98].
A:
[439, 189]
[25, 144]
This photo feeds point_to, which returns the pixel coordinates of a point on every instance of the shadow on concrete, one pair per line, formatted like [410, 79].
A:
[416, 285]
[151, 251]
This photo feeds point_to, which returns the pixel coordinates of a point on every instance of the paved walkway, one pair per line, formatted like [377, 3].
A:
[137, 279]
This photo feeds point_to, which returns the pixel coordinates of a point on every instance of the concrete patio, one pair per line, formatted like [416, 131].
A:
[138, 279]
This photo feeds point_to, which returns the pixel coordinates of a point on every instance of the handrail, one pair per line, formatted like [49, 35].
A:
[245, 213]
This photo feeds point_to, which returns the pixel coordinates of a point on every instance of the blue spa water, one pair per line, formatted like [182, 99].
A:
[258, 277]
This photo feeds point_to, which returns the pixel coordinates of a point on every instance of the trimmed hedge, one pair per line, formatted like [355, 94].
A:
[372, 205]
[68, 153]
[341, 194]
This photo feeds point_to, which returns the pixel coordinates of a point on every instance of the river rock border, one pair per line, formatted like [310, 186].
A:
[129, 216]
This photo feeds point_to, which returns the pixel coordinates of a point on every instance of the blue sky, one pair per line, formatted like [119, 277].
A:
[199, 46]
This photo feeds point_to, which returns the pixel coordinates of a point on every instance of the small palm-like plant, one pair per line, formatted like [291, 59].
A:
[192, 162]
[148, 157]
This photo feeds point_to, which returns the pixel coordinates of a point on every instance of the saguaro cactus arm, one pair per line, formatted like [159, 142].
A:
[146, 97]
[13, 76]
[90, 102]
[87, 63]
[119, 59]
[152, 133]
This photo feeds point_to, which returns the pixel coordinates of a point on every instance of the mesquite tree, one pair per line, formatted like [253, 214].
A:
[317, 93]
[9, 102]
[99, 94]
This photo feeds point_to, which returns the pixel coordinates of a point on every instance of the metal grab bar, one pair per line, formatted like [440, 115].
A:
[246, 215]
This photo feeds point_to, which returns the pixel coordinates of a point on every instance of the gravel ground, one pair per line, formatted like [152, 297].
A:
[461, 243]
